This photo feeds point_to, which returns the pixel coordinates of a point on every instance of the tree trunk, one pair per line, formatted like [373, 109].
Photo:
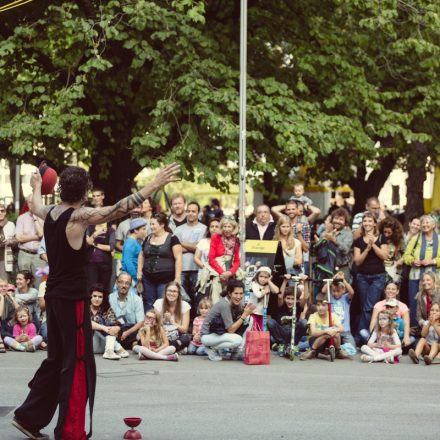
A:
[119, 181]
[271, 190]
[363, 189]
[12, 175]
[414, 183]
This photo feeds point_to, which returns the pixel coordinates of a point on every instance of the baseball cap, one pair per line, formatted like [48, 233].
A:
[137, 223]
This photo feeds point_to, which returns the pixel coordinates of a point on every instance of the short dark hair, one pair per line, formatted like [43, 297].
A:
[193, 202]
[73, 184]
[233, 284]
[320, 297]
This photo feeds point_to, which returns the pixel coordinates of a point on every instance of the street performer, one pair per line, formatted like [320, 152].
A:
[67, 378]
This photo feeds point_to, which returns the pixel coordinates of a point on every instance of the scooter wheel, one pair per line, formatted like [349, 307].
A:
[332, 352]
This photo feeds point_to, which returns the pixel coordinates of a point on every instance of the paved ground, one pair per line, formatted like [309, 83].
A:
[198, 399]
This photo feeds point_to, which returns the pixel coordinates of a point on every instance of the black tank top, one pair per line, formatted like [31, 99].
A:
[67, 266]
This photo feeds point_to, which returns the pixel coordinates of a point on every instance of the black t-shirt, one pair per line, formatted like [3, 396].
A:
[283, 315]
[179, 222]
[372, 263]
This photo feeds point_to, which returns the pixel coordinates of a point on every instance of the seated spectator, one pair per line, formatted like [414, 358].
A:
[3, 296]
[428, 343]
[224, 255]
[174, 313]
[128, 309]
[160, 261]
[153, 341]
[321, 332]
[429, 293]
[132, 246]
[402, 311]
[42, 309]
[341, 294]
[26, 295]
[8, 306]
[104, 325]
[196, 346]
[384, 343]
[223, 327]
[24, 333]
[280, 323]
[393, 232]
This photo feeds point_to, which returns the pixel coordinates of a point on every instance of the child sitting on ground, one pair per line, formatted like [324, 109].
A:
[24, 332]
[154, 342]
[429, 342]
[384, 343]
[392, 306]
[196, 346]
[262, 286]
[341, 294]
[321, 332]
[280, 324]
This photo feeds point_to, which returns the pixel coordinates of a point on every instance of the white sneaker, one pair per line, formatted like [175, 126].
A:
[122, 353]
[213, 355]
[111, 355]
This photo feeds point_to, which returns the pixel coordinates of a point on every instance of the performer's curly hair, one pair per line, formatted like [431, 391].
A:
[73, 184]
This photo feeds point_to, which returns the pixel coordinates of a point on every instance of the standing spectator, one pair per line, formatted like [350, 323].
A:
[123, 229]
[101, 241]
[178, 215]
[413, 229]
[262, 227]
[337, 231]
[373, 207]
[132, 246]
[292, 250]
[224, 255]
[215, 209]
[29, 232]
[370, 251]
[7, 231]
[429, 293]
[98, 197]
[189, 235]
[422, 253]
[393, 232]
[175, 316]
[147, 212]
[160, 261]
[128, 310]
[222, 329]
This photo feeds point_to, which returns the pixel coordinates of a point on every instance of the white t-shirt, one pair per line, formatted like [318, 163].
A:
[158, 305]
[189, 234]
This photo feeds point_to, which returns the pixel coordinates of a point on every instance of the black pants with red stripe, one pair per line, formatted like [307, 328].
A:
[67, 377]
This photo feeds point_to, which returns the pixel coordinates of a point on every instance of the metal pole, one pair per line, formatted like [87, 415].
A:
[17, 188]
[242, 134]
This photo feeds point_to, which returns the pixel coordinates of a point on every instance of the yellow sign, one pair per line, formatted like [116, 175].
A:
[261, 246]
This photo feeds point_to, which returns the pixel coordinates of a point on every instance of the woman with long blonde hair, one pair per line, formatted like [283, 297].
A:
[291, 246]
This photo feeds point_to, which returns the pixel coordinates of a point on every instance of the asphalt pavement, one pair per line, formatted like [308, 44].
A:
[197, 399]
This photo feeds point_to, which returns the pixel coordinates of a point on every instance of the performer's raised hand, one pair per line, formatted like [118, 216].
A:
[168, 174]
[36, 180]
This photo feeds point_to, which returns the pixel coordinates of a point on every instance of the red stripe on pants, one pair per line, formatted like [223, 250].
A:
[74, 426]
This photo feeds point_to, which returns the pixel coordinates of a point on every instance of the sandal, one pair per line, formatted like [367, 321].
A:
[2, 347]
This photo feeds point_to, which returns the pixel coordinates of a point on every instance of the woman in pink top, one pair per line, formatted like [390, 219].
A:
[392, 292]
[24, 332]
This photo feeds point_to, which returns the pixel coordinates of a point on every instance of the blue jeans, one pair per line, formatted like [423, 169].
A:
[369, 287]
[413, 288]
[152, 292]
[43, 331]
[189, 281]
[282, 334]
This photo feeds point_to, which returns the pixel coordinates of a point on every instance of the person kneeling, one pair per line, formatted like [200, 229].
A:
[321, 332]
[154, 342]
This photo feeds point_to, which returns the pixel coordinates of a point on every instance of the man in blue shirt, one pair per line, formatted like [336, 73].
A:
[128, 309]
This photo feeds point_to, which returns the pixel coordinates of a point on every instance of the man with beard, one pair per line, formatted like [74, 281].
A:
[178, 215]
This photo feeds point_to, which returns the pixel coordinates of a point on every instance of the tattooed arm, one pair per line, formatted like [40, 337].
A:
[95, 216]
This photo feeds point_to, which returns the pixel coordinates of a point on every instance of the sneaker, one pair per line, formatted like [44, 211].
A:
[183, 351]
[237, 355]
[274, 347]
[413, 356]
[367, 358]
[389, 360]
[213, 355]
[342, 354]
[29, 347]
[309, 354]
[225, 353]
[111, 355]
[29, 431]
[122, 353]
[173, 357]
[281, 350]
[427, 360]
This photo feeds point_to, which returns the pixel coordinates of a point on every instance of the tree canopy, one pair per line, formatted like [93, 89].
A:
[121, 85]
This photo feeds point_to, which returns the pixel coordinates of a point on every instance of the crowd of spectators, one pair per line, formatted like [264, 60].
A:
[162, 285]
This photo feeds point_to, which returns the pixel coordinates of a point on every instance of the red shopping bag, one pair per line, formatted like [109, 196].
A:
[257, 348]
